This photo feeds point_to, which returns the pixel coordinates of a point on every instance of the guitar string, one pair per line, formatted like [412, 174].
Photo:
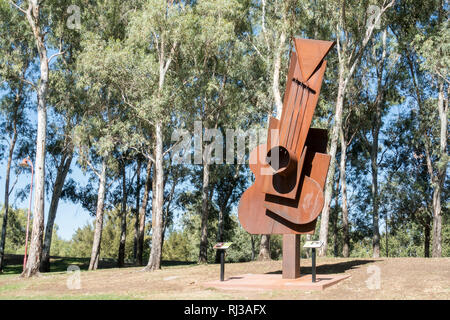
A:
[300, 110]
[289, 137]
[291, 113]
[303, 118]
[298, 90]
[284, 114]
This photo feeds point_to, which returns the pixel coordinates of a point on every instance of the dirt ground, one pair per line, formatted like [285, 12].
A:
[400, 278]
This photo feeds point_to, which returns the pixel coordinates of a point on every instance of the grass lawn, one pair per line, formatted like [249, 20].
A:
[401, 278]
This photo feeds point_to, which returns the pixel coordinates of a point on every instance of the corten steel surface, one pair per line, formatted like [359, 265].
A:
[291, 167]
[291, 256]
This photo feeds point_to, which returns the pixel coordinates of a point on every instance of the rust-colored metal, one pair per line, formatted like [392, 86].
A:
[291, 256]
[291, 167]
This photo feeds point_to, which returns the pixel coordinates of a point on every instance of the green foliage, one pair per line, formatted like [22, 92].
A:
[16, 230]
[177, 247]
[81, 243]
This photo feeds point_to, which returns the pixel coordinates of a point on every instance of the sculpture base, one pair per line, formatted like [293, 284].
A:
[276, 282]
[291, 256]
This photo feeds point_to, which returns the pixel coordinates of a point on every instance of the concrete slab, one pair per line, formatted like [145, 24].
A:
[276, 282]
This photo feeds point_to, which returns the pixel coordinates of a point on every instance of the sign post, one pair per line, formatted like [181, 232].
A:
[222, 247]
[313, 245]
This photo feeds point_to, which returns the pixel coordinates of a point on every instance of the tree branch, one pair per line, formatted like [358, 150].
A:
[55, 55]
[18, 7]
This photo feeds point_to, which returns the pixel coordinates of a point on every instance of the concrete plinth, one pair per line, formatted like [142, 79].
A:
[276, 282]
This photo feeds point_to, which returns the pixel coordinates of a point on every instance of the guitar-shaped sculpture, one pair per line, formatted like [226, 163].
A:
[291, 168]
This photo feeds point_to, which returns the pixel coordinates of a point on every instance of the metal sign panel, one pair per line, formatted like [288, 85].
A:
[222, 245]
[313, 244]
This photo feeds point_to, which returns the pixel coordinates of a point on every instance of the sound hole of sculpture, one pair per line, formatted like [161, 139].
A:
[278, 158]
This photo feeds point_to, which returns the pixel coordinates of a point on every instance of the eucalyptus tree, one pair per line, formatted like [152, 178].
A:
[214, 59]
[433, 46]
[60, 148]
[125, 159]
[99, 132]
[229, 182]
[141, 214]
[353, 29]
[349, 129]
[421, 30]
[94, 157]
[406, 193]
[16, 56]
[137, 194]
[176, 173]
[154, 36]
[379, 93]
[46, 21]
[67, 101]
[101, 129]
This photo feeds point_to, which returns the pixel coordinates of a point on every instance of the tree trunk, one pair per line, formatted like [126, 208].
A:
[6, 203]
[346, 69]
[343, 182]
[142, 210]
[154, 261]
[264, 248]
[387, 235]
[136, 211]
[437, 222]
[375, 213]
[335, 219]
[441, 173]
[203, 254]
[276, 74]
[426, 247]
[95, 255]
[34, 257]
[167, 211]
[123, 219]
[252, 239]
[335, 230]
[376, 125]
[63, 169]
[325, 217]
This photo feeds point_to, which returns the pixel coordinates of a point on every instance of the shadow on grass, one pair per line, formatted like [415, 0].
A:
[173, 263]
[13, 263]
[332, 268]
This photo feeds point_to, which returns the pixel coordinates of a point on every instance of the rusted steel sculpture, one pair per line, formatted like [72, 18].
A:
[291, 167]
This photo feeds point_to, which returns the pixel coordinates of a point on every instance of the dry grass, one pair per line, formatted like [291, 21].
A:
[401, 278]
